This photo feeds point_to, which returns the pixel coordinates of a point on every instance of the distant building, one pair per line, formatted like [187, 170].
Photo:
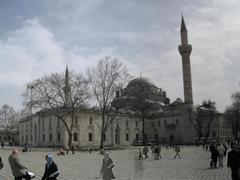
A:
[9, 137]
[170, 124]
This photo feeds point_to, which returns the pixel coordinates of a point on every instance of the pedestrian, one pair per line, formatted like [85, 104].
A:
[157, 152]
[145, 152]
[107, 165]
[177, 150]
[140, 154]
[2, 144]
[73, 149]
[206, 148]
[233, 162]
[225, 149]
[90, 149]
[67, 149]
[203, 145]
[51, 170]
[1, 163]
[214, 155]
[19, 171]
[221, 151]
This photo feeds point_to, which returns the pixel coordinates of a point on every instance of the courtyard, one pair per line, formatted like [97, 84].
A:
[193, 165]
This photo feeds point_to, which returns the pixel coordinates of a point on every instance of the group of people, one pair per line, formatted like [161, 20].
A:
[218, 152]
[20, 171]
[156, 150]
[51, 171]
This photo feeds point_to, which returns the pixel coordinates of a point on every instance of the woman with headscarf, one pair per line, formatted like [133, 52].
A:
[107, 165]
[51, 170]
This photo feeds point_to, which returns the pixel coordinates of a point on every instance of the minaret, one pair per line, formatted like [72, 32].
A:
[185, 51]
[67, 88]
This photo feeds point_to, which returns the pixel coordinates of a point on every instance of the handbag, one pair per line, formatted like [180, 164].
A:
[55, 174]
[30, 174]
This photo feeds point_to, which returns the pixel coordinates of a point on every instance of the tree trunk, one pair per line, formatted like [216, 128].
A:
[200, 134]
[237, 125]
[102, 131]
[70, 135]
[143, 130]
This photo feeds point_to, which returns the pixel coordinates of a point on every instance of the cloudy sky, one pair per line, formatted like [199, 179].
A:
[40, 37]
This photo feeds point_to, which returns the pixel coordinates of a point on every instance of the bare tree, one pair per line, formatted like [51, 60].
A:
[202, 117]
[59, 96]
[108, 75]
[232, 114]
[9, 119]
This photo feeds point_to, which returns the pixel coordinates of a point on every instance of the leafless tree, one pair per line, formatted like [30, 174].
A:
[202, 117]
[108, 75]
[49, 95]
[9, 118]
[232, 114]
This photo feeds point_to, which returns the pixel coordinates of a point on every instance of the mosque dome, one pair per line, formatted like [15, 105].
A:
[140, 85]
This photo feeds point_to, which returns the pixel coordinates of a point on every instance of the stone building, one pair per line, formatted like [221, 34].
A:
[9, 137]
[169, 124]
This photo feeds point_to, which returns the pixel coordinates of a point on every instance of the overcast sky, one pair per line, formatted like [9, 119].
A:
[40, 37]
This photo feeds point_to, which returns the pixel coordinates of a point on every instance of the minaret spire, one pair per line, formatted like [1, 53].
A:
[67, 89]
[185, 50]
[183, 26]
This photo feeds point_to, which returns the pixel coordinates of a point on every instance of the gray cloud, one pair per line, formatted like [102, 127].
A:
[42, 37]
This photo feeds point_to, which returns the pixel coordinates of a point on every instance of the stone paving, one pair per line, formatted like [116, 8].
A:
[193, 165]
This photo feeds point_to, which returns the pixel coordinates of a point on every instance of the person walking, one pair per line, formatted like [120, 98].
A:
[107, 165]
[145, 152]
[233, 162]
[158, 152]
[177, 150]
[221, 151]
[1, 163]
[51, 170]
[2, 144]
[140, 154]
[214, 155]
[73, 149]
[19, 171]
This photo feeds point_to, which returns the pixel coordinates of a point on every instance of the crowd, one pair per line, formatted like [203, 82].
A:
[219, 152]
[156, 151]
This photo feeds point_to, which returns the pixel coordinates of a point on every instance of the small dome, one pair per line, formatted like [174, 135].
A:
[178, 101]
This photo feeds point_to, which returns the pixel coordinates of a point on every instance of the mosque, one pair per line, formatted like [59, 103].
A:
[169, 124]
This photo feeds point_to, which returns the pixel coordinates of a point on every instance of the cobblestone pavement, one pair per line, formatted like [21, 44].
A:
[193, 165]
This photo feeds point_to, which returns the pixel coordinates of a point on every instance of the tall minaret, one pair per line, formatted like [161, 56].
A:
[67, 89]
[185, 51]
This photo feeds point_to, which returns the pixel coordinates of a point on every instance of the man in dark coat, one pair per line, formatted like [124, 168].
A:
[19, 171]
[51, 171]
[214, 154]
[1, 163]
[233, 162]
[107, 166]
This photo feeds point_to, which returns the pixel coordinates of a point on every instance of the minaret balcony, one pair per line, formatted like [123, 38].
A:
[185, 49]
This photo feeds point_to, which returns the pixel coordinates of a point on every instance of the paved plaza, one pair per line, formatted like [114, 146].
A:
[193, 165]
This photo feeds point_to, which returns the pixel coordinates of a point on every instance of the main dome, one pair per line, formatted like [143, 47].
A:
[142, 87]
[140, 83]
